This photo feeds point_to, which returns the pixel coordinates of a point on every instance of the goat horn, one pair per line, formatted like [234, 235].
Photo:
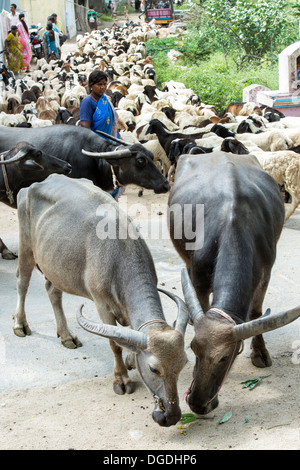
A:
[190, 296]
[266, 323]
[115, 154]
[125, 336]
[16, 158]
[182, 315]
[115, 139]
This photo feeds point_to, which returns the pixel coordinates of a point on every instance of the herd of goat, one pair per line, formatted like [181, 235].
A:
[170, 121]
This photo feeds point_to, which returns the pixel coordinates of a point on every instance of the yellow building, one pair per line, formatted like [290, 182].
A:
[39, 10]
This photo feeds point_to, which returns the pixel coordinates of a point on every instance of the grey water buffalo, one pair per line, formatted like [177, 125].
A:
[96, 253]
[243, 215]
[21, 166]
[107, 164]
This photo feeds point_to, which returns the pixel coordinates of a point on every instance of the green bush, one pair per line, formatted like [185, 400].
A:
[213, 80]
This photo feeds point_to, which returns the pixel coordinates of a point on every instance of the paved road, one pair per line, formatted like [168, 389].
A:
[41, 360]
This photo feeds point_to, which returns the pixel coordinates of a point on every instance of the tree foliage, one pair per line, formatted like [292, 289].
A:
[251, 28]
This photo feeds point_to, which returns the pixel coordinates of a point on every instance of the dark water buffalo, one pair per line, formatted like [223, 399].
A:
[116, 272]
[132, 164]
[231, 256]
[23, 165]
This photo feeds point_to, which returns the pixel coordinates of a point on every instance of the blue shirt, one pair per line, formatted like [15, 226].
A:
[87, 108]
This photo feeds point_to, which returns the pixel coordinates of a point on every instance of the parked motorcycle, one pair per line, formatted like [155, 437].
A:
[5, 73]
[36, 41]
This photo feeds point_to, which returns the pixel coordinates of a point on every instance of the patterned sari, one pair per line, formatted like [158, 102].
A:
[26, 46]
[15, 56]
[105, 117]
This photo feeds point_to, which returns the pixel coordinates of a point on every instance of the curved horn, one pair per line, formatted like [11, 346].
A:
[266, 323]
[190, 296]
[125, 336]
[115, 154]
[16, 158]
[194, 150]
[183, 313]
[111, 137]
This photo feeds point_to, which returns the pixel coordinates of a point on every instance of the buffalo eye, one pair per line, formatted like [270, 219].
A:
[224, 359]
[141, 161]
[155, 371]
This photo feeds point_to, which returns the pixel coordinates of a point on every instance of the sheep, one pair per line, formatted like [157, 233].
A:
[128, 105]
[36, 122]
[44, 110]
[160, 157]
[284, 167]
[269, 141]
[11, 120]
[28, 96]
[242, 109]
[128, 118]
[14, 106]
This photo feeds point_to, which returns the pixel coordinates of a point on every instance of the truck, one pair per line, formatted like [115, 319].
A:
[162, 11]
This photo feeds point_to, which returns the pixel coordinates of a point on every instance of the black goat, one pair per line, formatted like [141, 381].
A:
[232, 145]
[182, 146]
[165, 138]
[222, 131]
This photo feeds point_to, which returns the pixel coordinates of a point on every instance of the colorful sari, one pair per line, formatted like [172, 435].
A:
[105, 117]
[15, 56]
[26, 46]
[51, 47]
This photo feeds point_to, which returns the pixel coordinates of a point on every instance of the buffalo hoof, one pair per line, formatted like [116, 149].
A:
[22, 332]
[261, 358]
[259, 355]
[8, 255]
[71, 343]
[121, 389]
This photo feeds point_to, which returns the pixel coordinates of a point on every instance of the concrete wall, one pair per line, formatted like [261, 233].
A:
[39, 10]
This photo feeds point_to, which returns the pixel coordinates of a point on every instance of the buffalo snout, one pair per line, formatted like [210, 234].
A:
[166, 419]
[163, 188]
[198, 407]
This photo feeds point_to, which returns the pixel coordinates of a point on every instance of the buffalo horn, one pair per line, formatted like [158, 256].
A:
[116, 154]
[125, 336]
[111, 137]
[16, 158]
[266, 323]
[182, 315]
[190, 296]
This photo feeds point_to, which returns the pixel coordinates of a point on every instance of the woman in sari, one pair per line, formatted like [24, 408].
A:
[97, 112]
[25, 42]
[13, 52]
[51, 43]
